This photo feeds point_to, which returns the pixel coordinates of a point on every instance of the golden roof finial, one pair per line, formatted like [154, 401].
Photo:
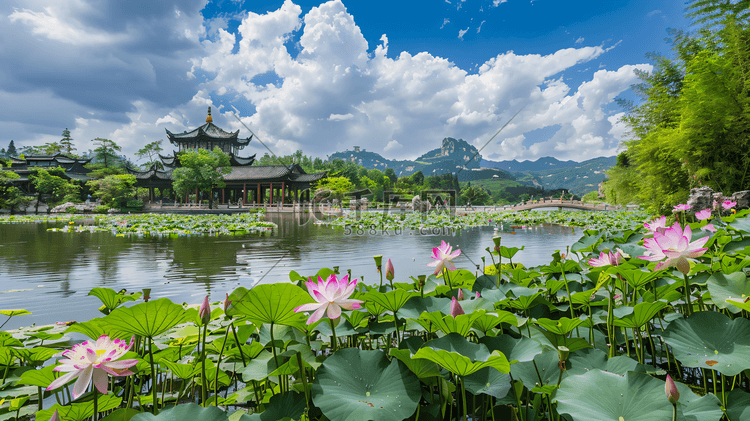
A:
[209, 119]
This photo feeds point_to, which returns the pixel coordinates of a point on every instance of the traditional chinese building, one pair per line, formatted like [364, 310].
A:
[72, 168]
[253, 184]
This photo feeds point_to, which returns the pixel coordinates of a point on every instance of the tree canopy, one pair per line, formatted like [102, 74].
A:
[201, 169]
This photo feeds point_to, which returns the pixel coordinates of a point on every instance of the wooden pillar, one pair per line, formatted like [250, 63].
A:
[258, 200]
[222, 196]
[270, 194]
[244, 193]
[282, 193]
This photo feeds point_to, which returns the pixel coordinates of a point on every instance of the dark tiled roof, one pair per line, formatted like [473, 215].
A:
[150, 174]
[257, 172]
[207, 132]
[240, 161]
[308, 178]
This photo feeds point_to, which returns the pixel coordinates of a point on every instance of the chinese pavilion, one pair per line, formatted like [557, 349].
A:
[250, 183]
[72, 168]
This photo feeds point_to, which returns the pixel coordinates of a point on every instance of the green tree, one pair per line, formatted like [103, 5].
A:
[475, 195]
[12, 149]
[52, 188]
[11, 197]
[113, 190]
[391, 174]
[50, 148]
[339, 185]
[201, 169]
[66, 143]
[151, 151]
[106, 150]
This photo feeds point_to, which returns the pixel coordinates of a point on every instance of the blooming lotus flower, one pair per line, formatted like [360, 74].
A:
[205, 311]
[89, 360]
[456, 309]
[674, 245]
[606, 259]
[673, 395]
[443, 256]
[682, 207]
[728, 204]
[709, 227]
[331, 296]
[389, 270]
[704, 214]
[656, 224]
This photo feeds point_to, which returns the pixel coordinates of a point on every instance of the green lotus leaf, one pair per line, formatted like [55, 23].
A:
[489, 382]
[146, 319]
[284, 405]
[111, 299]
[738, 405]
[460, 324]
[489, 321]
[724, 286]
[354, 385]
[636, 278]
[420, 367]
[585, 360]
[711, 340]
[41, 378]
[598, 395]
[516, 350]
[13, 313]
[391, 300]
[418, 305]
[183, 371]
[269, 303]
[79, 411]
[642, 313]
[190, 411]
[562, 326]
[6, 339]
[122, 414]
[546, 365]
[459, 356]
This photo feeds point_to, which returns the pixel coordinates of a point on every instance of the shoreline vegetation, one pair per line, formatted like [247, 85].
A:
[627, 305]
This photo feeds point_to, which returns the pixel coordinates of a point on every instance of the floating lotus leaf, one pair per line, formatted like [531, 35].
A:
[354, 385]
[711, 340]
[146, 319]
[488, 381]
[724, 286]
[459, 356]
[598, 395]
[516, 350]
[269, 303]
[190, 411]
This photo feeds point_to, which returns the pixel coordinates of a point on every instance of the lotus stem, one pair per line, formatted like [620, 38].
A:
[674, 412]
[447, 278]
[204, 385]
[153, 373]
[303, 376]
[239, 345]
[463, 399]
[216, 377]
[95, 416]
[275, 358]
[689, 309]
[334, 340]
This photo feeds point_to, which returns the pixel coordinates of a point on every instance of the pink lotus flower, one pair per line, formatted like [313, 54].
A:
[89, 360]
[477, 296]
[682, 207]
[709, 227]
[704, 214]
[728, 204]
[606, 259]
[55, 416]
[456, 309]
[674, 245]
[460, 294]
[389, 270]
[673, 395]
[227, 303]
[443, 256]
[330, 296]
[205, 311]
[656, 224]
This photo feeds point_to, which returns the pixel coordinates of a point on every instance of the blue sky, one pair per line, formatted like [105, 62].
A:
[394, 77]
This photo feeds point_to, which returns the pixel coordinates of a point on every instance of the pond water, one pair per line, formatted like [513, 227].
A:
[51, 273]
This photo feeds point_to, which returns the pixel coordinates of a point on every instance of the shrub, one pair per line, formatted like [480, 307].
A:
[101, 209]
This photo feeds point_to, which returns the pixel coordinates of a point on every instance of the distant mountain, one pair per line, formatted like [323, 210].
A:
[453, 155]
[540, 164]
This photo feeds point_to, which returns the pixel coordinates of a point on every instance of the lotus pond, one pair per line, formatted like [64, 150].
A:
[595, 333]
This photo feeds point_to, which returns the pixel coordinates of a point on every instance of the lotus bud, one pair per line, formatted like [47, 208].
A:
[421, 280]
[336, 270]
[671, 390]
[227, 303]
[55, 417]
[496, 240]
[389, 270]
[205, 311]
[477, 296]
[456, 309]
[146, 294]
[460, 294]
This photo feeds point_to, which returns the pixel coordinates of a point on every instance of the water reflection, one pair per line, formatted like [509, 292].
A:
[50, 273]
